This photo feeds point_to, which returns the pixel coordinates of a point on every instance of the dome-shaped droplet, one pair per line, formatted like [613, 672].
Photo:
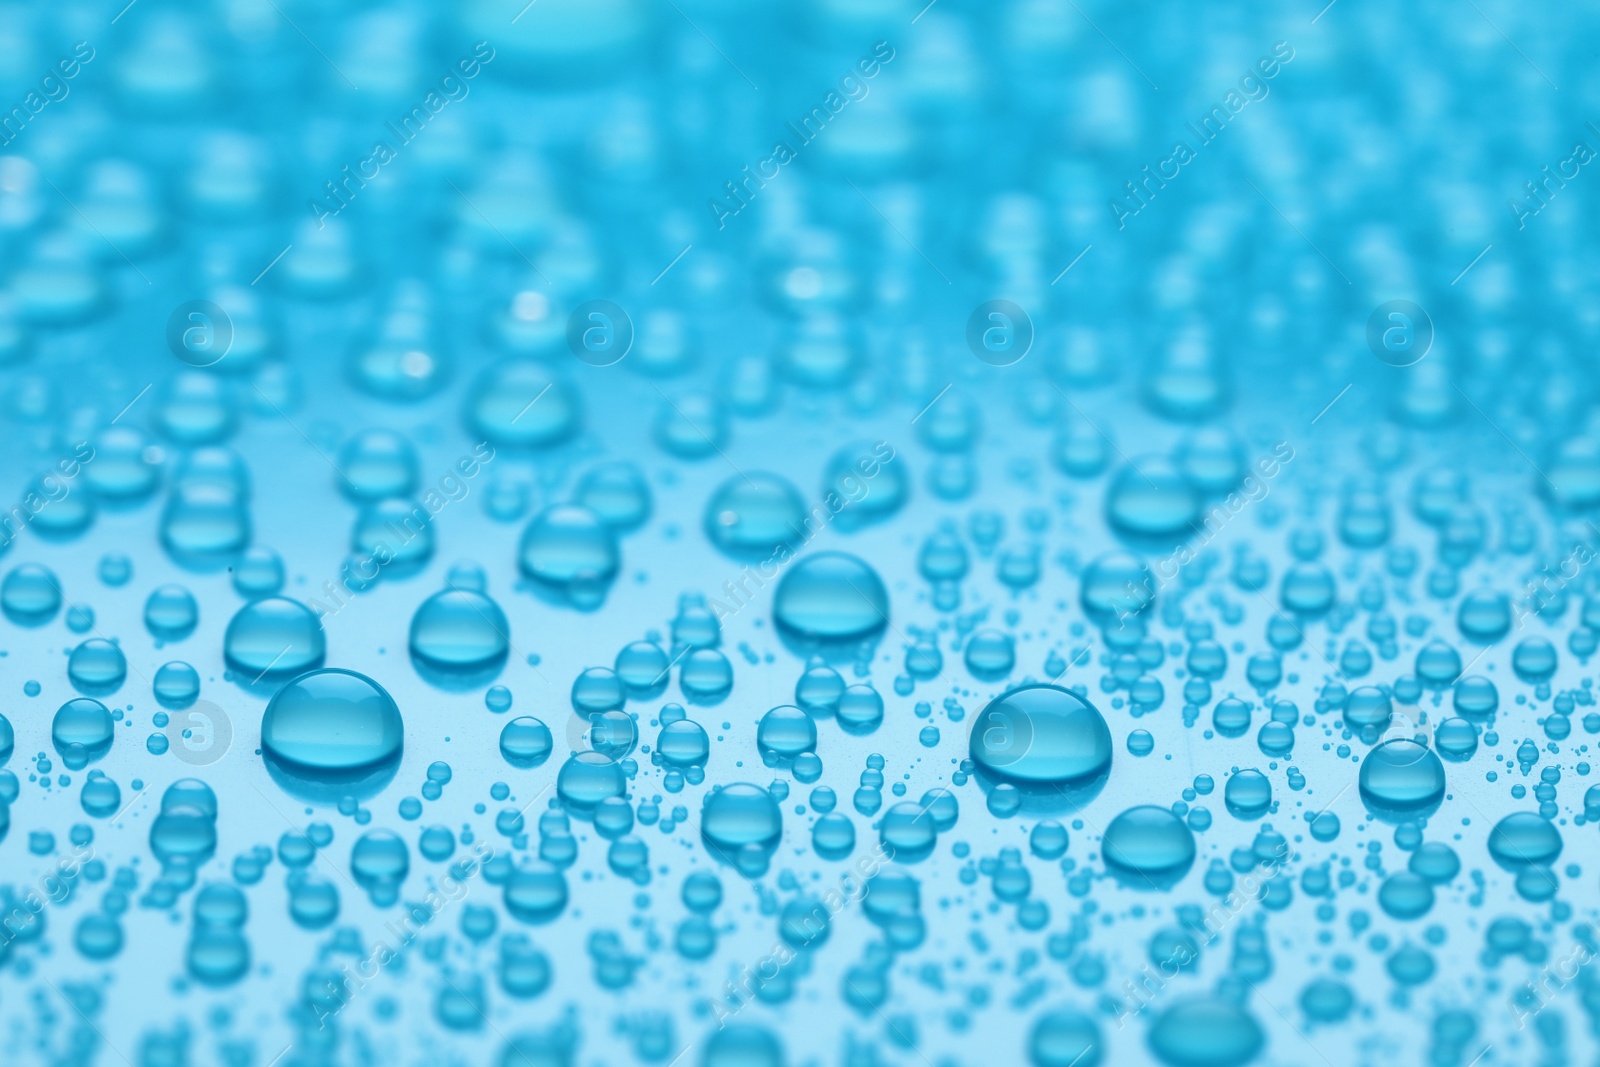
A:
[1401, 776]
[1248, 794]
[1065, 1038]
[30, 595]
[642, 665]
[683, 743]
[1438, 664]
[1523, 839]
[742, 1045]
[990, 654]
[1212, 458]
[176, 685]
[1148, 847]
[1205, 1032]
[82, 727]
[587, 778]
[616, 492]
[1041, 735]
[332, 723]
[379, 861]
[536, 893]
[171, 613]
[831, 596]
[754, 515]
[1368, 707]
[97, 666]
[1484, 616]
[521, 404]
[458, 630]
[397, 534]
[274, 637]
[204, 521]
[124, 468]
[525, 742]
[1151, 497]
[259, 573]
[377, 464]
[785, 732]
[1117, 586]
[567, 544]
[738, 815]
[865, 483]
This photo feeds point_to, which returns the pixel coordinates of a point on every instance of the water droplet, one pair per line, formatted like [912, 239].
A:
[831, 597]
[176, 685]
[1148, 847]
[30, 595]
[520, 404]
[82, 730]
[462, 631]
[740, 815]
[1152, 497]
[587, 778]
[274, 637]
[753, 516]
[525, 742]
[332, 725]
[97, 667]
[785, 732]
[567, 546]
[1401, 776]
[1523, 839]
[1041, 736]
[1205, 1032]
[171, 613]
[377, 464]
[1065, 1038]
[616, 492]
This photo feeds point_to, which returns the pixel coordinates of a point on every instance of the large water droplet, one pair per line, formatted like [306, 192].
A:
[536, 893]
[30, 595]
[753, 516]
[1401, 776]
[1148, 847]
[274, 637]
[204, 524]
[82, 730]
[1205, 1032]
[740, 815]
[332, 725]
[1042, 736]
[1065, 1038]
[525, 742]
[377, 464]
[458, 630]
[520, 404]
[1523, 839]
[1151, 497]
[567, 546]
[97, 667]
[831, 597]
[588, 778]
